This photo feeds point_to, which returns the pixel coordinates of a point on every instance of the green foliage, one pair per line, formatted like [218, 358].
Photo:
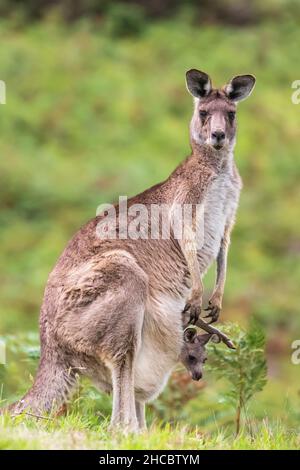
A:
[238, 12]
[26, 344]
[244, 368]
[23, 352]
[125, 20]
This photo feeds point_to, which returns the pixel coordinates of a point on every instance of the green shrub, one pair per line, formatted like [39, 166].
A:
[244, 368]
[124, 20]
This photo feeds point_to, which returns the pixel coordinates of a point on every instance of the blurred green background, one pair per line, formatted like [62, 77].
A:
[97, 108]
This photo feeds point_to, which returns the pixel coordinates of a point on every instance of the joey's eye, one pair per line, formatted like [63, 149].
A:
[205, 359]
[192, 358]
[203, 114]
[231, 115]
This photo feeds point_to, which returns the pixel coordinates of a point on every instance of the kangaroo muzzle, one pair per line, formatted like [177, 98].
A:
[218, 139]
[218, 130]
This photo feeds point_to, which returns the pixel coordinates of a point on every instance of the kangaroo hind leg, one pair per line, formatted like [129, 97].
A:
[124, 412]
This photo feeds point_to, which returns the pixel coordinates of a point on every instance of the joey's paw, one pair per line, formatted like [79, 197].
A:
[213, 311]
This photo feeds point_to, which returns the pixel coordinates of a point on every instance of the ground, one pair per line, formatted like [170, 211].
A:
[83, 432]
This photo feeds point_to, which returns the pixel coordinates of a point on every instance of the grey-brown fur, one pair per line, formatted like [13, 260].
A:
[193, 355]
[112, 308]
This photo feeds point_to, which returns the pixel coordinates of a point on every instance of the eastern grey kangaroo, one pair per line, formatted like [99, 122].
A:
[112, 308]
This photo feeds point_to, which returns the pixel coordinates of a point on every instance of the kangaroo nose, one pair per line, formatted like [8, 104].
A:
[218, 135]
[197, 376]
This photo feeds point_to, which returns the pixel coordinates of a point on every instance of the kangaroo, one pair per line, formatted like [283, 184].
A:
[112, 307]
[193, 355]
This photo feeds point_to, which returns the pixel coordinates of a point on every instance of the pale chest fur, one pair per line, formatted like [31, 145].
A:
[220, 207]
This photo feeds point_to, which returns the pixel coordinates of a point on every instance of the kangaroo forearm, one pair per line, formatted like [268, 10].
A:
[222, 264]
[194, 302]
[189, 250]
[221, 272]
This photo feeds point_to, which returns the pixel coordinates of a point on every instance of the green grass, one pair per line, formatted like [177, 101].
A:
[74, 432]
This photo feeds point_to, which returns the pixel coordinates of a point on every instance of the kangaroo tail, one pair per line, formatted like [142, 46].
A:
[53, 385]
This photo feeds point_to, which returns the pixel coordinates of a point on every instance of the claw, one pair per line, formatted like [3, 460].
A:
[214, 312]
[194, 312]
[214, 319]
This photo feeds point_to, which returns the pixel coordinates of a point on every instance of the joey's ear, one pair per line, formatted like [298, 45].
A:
[198, 83]
[240, 87]
[215, 338]
[189, 334]
[203, 339]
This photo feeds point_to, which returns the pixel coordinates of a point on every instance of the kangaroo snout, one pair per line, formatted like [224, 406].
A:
[197, 375]
[218, 138]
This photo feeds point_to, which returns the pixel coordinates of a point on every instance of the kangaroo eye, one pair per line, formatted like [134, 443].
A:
[192, 358]
[205, 359]
[203, 114]
[231, 115]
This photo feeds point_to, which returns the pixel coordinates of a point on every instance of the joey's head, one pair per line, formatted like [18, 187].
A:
[214, 119]
[193, 354]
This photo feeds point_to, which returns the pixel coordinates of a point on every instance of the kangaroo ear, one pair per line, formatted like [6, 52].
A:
[198, 83]
[240, 87]
[215, 338]
[203, 339]
[189, 334]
